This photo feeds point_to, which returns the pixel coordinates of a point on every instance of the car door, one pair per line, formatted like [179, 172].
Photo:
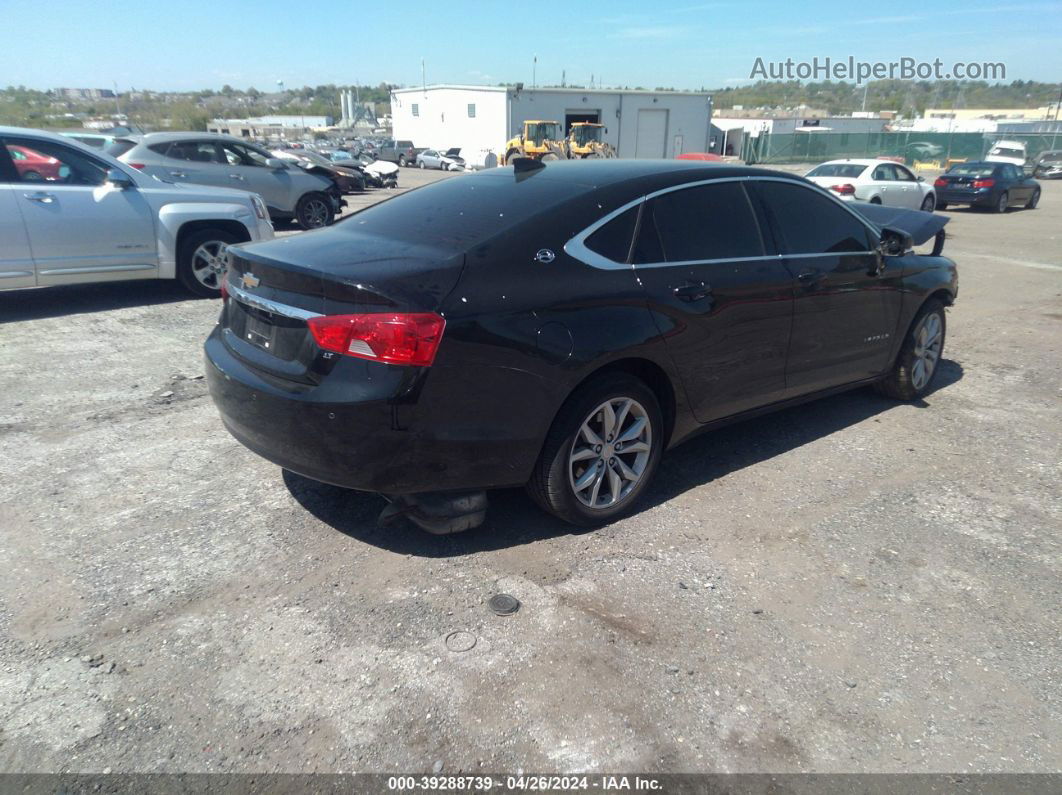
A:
[846, 295]
[16, 259]
[248, 170]
[1019, 186]
[910, 188]
[194, 161]
[722, 301]
[80, 227]
[885, 185]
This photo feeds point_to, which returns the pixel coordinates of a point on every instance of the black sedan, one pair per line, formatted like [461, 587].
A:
[997, 186]
[561, 326]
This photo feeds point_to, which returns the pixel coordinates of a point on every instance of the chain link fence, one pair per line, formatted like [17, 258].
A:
[918, 149]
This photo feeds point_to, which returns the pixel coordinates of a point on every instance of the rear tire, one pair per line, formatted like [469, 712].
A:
[198, 267]
[1033, 200]
[569, 456]
[919, 359]
[314, 210]
[1002, 204]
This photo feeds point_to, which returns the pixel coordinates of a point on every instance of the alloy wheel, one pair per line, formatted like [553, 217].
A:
[314, 213]
[609, 454]
[209, 263]
[928, 338]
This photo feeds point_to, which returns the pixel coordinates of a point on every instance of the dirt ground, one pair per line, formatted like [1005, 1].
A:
[853, 585]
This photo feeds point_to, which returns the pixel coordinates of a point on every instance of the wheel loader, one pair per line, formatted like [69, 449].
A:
[585, 140]
[540, 140]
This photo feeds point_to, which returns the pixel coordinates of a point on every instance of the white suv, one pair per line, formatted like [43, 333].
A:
[70, 214]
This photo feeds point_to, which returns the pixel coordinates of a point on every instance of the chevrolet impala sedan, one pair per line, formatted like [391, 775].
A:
[561, 326]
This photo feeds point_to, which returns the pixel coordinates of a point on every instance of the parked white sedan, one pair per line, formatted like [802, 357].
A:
[875, 181]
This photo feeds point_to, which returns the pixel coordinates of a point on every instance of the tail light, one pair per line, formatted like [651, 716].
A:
[137, 166]
[844, 190]
[940, 182]
[984, 183]
[402, 338]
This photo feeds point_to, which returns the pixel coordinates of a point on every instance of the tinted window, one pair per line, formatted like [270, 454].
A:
[47, 161]
[7, 168]
[810, 223]
[613, 240]
[196, 151]
[119, 148]
[706, 222]
[847, 170]
[238, 155]
[647, 247]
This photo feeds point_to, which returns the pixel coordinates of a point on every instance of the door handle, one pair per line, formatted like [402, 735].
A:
[235, 176]
[692, 291]
[180, 174]
[40, 196]
[810, 278]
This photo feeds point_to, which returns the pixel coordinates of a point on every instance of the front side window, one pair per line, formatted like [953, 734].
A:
[706, 222]
[810, 223]
[239, 155]
[47, 161]
[903, 174]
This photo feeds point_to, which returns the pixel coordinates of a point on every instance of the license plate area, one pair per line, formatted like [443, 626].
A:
[260, 333]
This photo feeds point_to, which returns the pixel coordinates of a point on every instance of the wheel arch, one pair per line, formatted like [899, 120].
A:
[228, 225]
[649, 372]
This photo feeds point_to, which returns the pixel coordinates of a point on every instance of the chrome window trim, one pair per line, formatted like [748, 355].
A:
[267, 305]
[577, 249]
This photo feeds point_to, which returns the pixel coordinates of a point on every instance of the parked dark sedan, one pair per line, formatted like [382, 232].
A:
[560, 326]
[983, 184]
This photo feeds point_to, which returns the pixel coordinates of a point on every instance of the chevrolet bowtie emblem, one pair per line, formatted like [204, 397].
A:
[250, 280]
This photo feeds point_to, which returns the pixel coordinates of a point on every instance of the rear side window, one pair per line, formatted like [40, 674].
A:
[810, 223]
[119, 147]
[706, 222]
[613, 240]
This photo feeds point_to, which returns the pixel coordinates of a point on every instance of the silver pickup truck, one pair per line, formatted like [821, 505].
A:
[70, 214]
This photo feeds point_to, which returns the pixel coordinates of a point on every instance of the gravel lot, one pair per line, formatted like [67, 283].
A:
[853, 585]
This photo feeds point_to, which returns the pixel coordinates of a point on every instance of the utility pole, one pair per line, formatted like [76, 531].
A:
[866, 87]
[423, 78]
[534, 73]
[117, 107]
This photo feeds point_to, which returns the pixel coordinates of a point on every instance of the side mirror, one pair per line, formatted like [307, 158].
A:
[921, 179]
[119, 178]
[277, 163]
[895, 242]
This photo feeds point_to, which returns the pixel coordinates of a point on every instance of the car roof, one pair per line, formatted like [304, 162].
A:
[608, 171]
[162, 137]
[858, 161]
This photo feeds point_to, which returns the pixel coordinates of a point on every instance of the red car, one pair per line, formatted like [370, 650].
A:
[698, 156]
[33, 166]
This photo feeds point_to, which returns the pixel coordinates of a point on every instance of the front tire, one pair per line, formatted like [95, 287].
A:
[314, 210]
[601, 452]
[401, 161]
[919, 358]
[1033, 200]
[421, 164]
[203, 260]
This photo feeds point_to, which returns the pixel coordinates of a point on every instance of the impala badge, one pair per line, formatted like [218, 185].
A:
[250, 280]
[544, 255]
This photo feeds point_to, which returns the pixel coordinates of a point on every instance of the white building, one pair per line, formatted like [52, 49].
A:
[642, 124]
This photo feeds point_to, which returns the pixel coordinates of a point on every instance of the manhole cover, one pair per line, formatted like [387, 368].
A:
[503, 605]
[460, 641]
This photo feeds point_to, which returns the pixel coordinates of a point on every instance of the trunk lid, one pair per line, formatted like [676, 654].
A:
[275, 287]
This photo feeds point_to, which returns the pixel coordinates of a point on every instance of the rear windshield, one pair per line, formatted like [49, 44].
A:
[1006, 152]
[119, 147]
[462, 212]
[846, 170]
[972, 170]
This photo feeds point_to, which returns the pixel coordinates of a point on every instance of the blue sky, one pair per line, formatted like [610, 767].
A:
[198, 44]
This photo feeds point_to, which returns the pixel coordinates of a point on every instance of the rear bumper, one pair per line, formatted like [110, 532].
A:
[984, 196]
[374, 427]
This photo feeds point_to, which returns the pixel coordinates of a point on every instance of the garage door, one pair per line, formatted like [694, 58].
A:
[652, 134]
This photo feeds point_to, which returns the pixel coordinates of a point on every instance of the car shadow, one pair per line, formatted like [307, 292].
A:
[45, 302]
[513, 520]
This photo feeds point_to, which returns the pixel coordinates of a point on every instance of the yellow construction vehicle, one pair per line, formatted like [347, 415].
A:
[540, 140]
[585, 139]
